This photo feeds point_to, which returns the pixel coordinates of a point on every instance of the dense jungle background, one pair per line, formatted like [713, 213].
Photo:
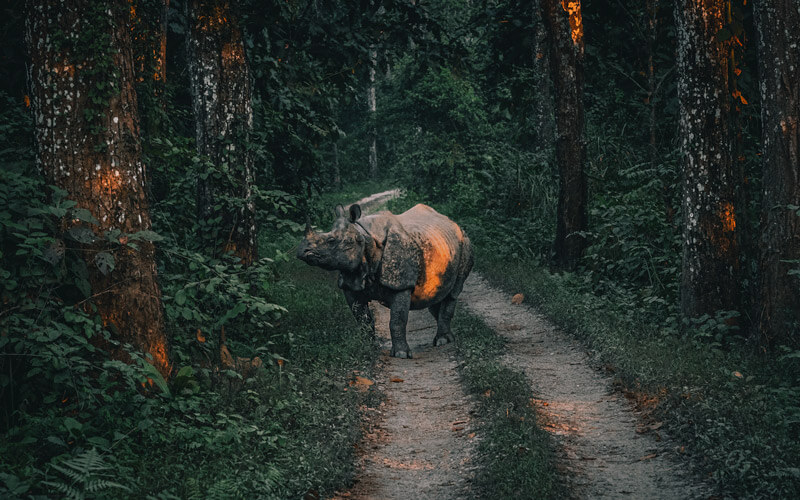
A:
[626, 165]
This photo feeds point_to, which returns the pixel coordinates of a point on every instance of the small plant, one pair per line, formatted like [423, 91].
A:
[86, 475]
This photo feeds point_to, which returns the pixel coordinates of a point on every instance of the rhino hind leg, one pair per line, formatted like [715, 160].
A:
[443, 315]
[399, 306]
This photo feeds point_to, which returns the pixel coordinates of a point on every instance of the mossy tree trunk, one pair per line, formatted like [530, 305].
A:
[372, 104]
[778, 25]
[87, 131]
[565, 30]
[222, 101]
[710, 280]
[543, 119]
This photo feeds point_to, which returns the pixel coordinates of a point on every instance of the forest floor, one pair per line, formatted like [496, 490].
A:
[419, 441]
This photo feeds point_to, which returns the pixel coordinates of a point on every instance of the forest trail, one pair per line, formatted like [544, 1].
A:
[604, 449]
[417, 444]
[419, 441]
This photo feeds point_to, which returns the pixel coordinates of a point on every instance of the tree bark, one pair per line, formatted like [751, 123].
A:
[544, 123]
[222, 101]
[778, 315]
[710, 270]
[565, 30]
[87, 133]
[372, 103]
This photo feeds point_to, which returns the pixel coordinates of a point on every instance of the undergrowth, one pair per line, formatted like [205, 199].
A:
[514, 456]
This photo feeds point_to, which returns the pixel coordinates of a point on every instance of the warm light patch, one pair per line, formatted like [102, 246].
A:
[728, 217]
[573, 8]
[213, 21]
[108, 181]
[232, 52]
[437, 256]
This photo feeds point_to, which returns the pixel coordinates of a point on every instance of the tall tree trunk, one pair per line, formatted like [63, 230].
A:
[544, 123]
[87, 131]
[337, 175]
[710, 272]
[149, 28]
[778, 317]
[372, 103]
[222, 100]
[565, 29]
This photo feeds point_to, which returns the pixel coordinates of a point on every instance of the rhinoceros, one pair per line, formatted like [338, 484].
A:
[418, 259]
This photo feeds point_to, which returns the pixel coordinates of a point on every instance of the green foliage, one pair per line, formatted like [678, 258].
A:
[86, 475]
[515, 456]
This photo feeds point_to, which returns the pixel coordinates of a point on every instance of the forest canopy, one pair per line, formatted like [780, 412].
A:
[160, 158]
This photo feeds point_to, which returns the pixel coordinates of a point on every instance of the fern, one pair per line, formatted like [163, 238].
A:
[83, 476]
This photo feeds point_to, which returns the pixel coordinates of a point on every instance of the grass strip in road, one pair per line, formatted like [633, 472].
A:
[514, 456]
[736, 413]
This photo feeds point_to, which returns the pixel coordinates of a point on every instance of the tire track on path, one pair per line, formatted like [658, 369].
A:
[600, 452]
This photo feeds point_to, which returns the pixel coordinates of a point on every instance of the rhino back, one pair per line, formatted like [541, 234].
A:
[442, 243]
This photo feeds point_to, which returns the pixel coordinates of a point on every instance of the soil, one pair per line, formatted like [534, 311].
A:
[605, 448]
[419, 442]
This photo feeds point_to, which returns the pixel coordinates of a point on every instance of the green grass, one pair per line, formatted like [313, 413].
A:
[515, 457]
[735, 412]
[288, 431]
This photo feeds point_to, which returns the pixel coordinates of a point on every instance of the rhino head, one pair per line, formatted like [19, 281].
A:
[340, 249]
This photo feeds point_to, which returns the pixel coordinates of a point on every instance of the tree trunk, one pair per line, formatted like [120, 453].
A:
[710, 273]
[222, 100]
[544, 123]
[373, 107]
[778, 316]
[337, 175]
[565, 29]
[87, 132]
[149, 28]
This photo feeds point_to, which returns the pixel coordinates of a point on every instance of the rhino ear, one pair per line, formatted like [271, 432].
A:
[339, 211]
[400, 263]
[355, 212]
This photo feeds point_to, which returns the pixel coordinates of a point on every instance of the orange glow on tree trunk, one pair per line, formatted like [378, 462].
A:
[573, 8]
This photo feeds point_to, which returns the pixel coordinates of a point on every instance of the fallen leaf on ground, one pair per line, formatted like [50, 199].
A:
[459, 422]
[397, 379]
[648, 457]
[361, 383]
[471, 435]
[517, 299]
[458, 428]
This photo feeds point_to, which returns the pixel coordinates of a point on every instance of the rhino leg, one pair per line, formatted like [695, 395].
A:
[399, 306]
[446, 309]
[361, 312]
[434, 310]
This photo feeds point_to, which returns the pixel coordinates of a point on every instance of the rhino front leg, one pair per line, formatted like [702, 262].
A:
[446, 309]
[399, 306]
[361, 312]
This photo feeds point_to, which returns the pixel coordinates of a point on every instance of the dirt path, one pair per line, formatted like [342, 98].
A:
[419, 441]
[375, 202]
[418, 445]
[605, 451]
